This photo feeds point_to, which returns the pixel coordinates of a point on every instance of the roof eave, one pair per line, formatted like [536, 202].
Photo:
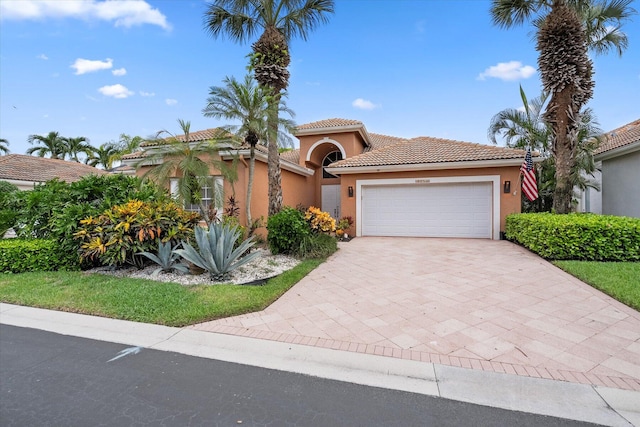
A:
[475, 164]
[337, 129]
[263, 157]
[619, 151]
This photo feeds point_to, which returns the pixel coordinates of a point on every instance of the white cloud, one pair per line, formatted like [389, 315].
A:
[170, 101]
[115, 91]
[509, 71]
[42, 56]
[83, 66]
[143, 93]
[123, 13]
[363, 104]
[119, 72]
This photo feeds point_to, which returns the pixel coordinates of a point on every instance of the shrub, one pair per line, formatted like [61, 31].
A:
[7, 208]
[286, 230]
[53, 210]
[319, 221]
[118, 235]
[19, 256]
[216, 253]
[317, 246]
[588, 237]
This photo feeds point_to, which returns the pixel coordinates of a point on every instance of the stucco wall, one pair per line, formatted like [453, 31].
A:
[509, 203]
[620, 178]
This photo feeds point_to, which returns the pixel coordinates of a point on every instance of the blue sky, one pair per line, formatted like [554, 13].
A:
[404, 68]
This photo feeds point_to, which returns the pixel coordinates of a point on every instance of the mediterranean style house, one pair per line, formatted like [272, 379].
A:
[389, 186]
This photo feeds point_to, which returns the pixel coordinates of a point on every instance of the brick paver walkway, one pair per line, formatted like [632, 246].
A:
[478, 304]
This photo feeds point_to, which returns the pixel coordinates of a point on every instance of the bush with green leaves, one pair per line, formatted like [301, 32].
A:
[317, 245]
[20, 256]
[53, 210]
[287, 229]
[7, 211]
[216, 250]
[121, 233]
[588, 237]
[167, 259]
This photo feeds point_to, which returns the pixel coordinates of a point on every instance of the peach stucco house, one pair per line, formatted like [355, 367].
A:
[427, 187]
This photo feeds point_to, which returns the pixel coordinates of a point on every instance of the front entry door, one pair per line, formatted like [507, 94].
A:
[331, 200]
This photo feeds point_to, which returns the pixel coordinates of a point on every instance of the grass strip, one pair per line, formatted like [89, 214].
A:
[620, 280]
[143, 300]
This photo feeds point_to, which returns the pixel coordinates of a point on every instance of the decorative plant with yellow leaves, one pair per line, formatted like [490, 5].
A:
[319, 221]
[120, 234]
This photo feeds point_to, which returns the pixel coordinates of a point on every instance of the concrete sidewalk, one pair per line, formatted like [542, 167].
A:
[590, 403]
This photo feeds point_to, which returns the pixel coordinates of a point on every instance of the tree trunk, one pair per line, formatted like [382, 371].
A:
[275, 181]
[252, 166]
[563, 148]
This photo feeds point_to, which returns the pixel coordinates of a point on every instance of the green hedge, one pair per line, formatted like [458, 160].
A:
[588, 237]
[20, 255]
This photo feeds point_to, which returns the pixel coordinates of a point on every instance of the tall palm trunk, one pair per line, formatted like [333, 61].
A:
[273, 162]
[566, 73]
[270, 61]
[252, 167]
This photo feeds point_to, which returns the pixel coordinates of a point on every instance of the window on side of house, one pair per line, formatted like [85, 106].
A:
[211, 195]
[334, 156]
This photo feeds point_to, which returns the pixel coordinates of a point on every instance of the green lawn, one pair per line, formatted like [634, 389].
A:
[621, 280]
[144, 300]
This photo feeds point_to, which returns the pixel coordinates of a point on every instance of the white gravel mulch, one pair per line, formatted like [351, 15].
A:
[263, 267]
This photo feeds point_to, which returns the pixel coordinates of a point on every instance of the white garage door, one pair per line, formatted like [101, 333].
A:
[434, 210]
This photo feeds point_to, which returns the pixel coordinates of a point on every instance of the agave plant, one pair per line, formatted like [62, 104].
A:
[167, 258]
[216, 250]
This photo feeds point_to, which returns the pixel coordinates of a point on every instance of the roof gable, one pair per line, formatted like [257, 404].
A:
[21, 167]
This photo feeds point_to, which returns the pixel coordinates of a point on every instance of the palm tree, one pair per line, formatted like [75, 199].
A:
[74, 146]
[522, 128]
[526, 128]
[52, 144]
[129, 144]
[179, 156]
[4, 146]
[566, 29]
[102, 156]
[246, 102]
[279, 21]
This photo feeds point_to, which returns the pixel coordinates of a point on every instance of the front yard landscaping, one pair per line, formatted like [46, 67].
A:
[620, 280]
[143, 300]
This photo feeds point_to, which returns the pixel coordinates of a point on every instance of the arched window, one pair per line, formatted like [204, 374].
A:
[334, 156]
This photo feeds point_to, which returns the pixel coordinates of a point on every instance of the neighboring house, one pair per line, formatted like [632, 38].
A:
[390, 186]
[26, 171]
[618, 158]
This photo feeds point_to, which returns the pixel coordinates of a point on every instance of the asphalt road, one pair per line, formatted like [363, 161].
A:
[55, 380]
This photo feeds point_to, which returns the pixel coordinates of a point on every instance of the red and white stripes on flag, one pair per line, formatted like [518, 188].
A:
[529, 183]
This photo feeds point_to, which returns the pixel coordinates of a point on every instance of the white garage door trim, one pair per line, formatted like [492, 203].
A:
[493, 179]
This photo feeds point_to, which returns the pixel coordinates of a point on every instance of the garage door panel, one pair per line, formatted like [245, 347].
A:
[435, 210]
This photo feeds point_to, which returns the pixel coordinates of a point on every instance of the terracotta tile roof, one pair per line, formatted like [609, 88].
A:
[136, 155]
[624, 135]
[378, 141]
[201, 135]
[292, 156]
[330, 123]
[21, 167]
[423, 150]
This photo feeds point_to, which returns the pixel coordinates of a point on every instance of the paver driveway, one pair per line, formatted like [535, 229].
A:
[478, 304]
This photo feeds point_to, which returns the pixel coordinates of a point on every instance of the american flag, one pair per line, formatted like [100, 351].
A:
[529, 184]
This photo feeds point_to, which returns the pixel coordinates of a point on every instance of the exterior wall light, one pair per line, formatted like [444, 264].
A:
[350, 191]
[507, 187]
